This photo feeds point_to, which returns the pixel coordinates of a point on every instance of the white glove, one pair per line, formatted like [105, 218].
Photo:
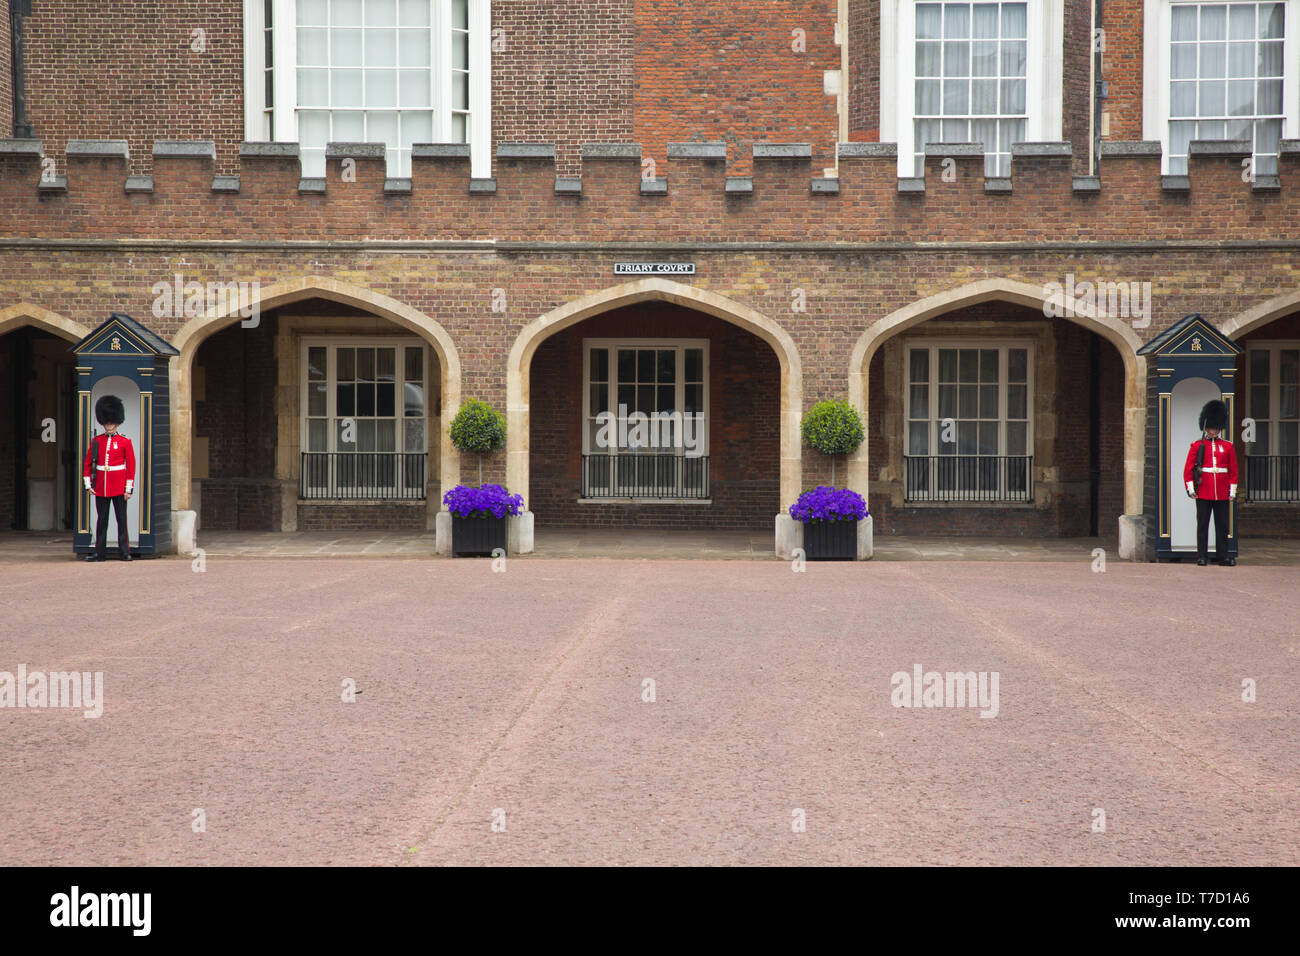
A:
[130, 487]
[1191, 491]
[87, 482]
[1232, 492]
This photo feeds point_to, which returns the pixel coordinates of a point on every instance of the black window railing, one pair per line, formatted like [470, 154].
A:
[372, 475]
[969, 477]
[645, 476]
[1272, 478]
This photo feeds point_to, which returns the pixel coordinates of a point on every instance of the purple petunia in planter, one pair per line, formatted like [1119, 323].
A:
[830, 519]
[478, 518]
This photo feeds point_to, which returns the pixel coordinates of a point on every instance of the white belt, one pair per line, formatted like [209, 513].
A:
[123, 468]
[1215, 471]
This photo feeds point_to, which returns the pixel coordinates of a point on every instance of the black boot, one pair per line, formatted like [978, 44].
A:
[1201, 562]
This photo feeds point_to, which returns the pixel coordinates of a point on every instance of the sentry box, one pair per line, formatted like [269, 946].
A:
[125, 359]
[1188, 364]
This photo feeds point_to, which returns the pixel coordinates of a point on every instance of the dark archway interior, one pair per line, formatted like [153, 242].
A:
[38, 476]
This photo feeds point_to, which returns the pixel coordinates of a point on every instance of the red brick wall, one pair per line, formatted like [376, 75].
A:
[6, 77]
[1122, 67]
[385, 516]
[1075, 64]
[727, 71]
[565, 75]
[864, 71]
[104, 69]
[744, 433]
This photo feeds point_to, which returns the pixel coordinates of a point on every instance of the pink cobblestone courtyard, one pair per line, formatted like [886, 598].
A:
[520, 699]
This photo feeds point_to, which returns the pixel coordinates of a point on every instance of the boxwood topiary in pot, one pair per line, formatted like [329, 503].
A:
[833, 428]
[480, 428]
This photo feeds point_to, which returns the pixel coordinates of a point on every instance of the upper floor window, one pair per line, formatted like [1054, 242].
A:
[985, 73]
[1215, 71]
[396, 72]
[971, 79]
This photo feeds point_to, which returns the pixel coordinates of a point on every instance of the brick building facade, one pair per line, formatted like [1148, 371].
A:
[466, 244]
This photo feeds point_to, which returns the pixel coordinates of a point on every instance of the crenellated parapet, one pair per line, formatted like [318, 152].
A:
[618, 198]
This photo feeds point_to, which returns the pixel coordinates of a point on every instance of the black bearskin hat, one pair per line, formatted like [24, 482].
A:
[109, 410]
[1214, 415]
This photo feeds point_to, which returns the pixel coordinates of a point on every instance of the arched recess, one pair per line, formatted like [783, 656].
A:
[196, 331]
[1260, 315]
[640, 290]
[1116, 331]
[16, 316]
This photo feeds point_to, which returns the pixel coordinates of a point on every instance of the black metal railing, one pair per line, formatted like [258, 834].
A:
[645, 476]
[969, 477]
[349, 475]
[1272, 478]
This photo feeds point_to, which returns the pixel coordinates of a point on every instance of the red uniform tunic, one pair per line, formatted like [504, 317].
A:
[1218, 470]
[110, 464]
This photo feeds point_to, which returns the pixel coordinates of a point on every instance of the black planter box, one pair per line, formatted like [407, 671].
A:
[477, 536]
[830, 540]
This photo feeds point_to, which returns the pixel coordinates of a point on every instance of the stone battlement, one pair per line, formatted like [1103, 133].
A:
[613, 200]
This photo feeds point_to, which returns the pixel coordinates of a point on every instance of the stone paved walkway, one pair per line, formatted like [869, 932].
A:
[522, 698]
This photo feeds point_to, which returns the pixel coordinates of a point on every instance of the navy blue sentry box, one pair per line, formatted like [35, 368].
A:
[1188, 364]
[125, 359]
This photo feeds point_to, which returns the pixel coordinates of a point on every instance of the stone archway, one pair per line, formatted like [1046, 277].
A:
[16, 316]
[1260, 315]
[1115, 331]
[571, 313]
[195, 332]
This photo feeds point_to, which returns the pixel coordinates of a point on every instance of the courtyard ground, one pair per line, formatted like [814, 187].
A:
[508, 716]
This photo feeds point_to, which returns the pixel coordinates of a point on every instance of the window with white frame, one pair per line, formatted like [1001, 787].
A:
[962, 72]
[1218, 71]
[397, 72]
[655, 382]
[1273, 401]
[364, 413]
[969, 416]
[971, 77]
[645, 417]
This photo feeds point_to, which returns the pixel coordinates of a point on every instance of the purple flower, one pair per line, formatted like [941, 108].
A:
[490, 501]
[829, 504]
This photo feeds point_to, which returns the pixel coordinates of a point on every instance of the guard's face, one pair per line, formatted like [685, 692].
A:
[1212, 433]
[110, 427]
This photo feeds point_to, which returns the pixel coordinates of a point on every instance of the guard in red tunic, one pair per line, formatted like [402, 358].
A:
[1211, 478]
[109, 475]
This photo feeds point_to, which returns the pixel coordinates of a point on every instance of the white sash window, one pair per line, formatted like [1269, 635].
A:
[396, 72]
[1220, 71]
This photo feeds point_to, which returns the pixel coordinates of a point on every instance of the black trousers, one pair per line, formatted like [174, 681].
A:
[1204, 507]
[101, 524]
